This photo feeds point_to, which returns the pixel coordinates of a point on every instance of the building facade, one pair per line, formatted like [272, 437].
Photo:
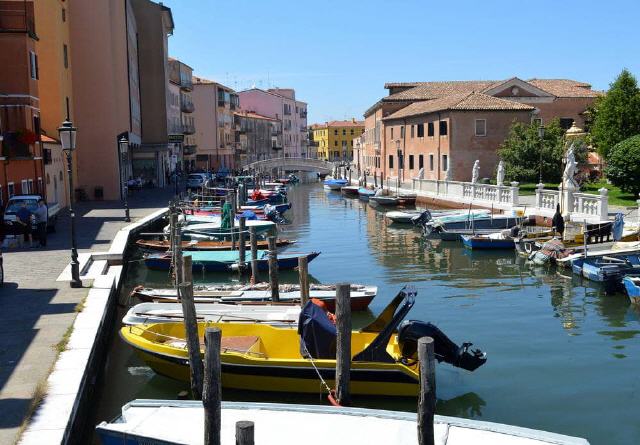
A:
[444, 127]
[334, 140]
[281, 104]
[180, 76]
[257, 136]
[214, 119]
[22, 169]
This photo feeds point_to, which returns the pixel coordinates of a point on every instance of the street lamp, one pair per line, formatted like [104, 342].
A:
[123, 145]
[67, 134]
[541, 136]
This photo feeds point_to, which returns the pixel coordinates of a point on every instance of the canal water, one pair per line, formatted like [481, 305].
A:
[563, 356]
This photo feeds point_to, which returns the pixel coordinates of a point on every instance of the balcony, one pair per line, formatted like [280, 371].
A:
[185, 83]
[277, 132]
[303, 114]
[18, 17]
[276, 146]
[189, 150]
[188, 129]
[186, 106]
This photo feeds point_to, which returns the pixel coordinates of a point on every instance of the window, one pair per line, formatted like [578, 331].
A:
[431, 162]
[335, 143]
[65, 56]
[40, 188]
[420, 162]
[430, 129]
[420, 130]
[390, 161]
[391, 133]
[410, 162]
[412, 132]
[1, 199]
[33, 65]
[445, 163]
[402, 131]
[566, 123]
[537, 121]
[11, 189]
[344, 132]
[481, 127]
[64, 15]
[443, 130]
[335, 132]
[352, 132]
[24, 187]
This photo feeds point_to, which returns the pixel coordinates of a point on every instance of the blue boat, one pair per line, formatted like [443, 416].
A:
[365, 193]
[486, 242]
[224, 261]
[607, 269]
[334, 184]
[632, 286]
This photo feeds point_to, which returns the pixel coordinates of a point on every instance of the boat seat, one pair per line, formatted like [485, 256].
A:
[243, 344]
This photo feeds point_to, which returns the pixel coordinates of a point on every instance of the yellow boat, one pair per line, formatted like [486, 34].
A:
[267, 358]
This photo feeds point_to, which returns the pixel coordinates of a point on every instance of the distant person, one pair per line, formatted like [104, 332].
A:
[558, 222]
[41, 215]
[24, 220]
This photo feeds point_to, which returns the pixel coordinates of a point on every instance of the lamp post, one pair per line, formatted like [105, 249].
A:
[123, 145]
[67, 134]
[541, 136]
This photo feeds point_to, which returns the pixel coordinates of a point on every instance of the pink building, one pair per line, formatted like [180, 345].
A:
[281, 104]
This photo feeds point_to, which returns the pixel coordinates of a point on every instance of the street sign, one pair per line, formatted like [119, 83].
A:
[175, 138]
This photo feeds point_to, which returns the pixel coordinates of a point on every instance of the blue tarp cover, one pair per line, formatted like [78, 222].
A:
[316, 332]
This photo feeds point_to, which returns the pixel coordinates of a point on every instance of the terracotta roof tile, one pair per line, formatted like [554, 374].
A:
[460, 102]
[339, 124]
[565, 87]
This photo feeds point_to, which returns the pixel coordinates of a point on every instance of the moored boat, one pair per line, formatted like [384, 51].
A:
[365, 193]
[607, 269]
[350, 190]
[397, 200]
[361, 296]
[334, 184]
[493, 241]
[164, 245]
[632, 287]
[225, 261]
[162, 422]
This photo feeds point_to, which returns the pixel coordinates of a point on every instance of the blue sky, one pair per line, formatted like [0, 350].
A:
[338, 54]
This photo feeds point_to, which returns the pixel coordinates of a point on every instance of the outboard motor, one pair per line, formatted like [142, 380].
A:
[445, 350]
[422, 219]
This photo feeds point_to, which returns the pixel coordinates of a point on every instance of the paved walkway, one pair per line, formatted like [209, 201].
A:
[36, 311]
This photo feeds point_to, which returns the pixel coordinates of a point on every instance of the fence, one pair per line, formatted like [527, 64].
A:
[580, 206]
[499, 196]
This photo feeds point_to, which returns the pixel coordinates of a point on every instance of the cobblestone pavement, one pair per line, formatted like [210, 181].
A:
[36, 311]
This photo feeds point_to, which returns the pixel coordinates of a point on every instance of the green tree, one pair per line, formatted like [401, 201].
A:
[623, 165]
[617, 114]
[521, 152]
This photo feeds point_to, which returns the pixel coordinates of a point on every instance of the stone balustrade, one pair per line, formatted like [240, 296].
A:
[579, 206]
[499, 196]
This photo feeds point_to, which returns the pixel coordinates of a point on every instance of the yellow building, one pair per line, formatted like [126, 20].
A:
[334, 140]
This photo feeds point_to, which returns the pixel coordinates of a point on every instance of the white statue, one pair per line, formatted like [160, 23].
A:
[500, 175]
[420, 174]
[570, 169]
[475, 176]
[448, 176]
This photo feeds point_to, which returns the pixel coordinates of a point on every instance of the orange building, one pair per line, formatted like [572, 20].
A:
[22, 167]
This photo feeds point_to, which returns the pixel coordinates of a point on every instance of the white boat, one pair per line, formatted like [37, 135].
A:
[214, 227]
[334, 184]
[406, 216]
[145, 313]
[155, 422]
[600, 250]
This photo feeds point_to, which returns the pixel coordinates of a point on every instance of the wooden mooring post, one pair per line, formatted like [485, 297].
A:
[253, 239]
[242, 247]
[244, 433]
[273, 269]
[177, 248]
[427, 400]
[303, 272]
[343, 343]
[212, 391]
[191, 329]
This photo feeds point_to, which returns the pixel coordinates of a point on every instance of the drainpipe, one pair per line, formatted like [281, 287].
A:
[439, 157]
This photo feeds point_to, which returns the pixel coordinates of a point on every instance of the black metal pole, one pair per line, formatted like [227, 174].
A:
[75, 266]
[125, 188]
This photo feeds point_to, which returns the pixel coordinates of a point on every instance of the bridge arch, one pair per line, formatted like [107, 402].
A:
[292, 164]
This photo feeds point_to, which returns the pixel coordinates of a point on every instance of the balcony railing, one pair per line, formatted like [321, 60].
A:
[186, 84]
[186, 106]
[17, 19]
[189, 150]
[188, 129]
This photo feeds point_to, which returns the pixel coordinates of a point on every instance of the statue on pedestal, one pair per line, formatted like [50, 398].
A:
[448, 176]
[500, 175]
[475, 175]
[568, 181]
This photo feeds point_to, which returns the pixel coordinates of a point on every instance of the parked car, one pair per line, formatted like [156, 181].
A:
[16, 201]
[196, 180]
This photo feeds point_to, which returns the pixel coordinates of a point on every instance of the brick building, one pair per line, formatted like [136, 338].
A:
[446, 125]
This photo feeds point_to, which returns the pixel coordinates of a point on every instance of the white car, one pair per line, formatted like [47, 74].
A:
[196, 180]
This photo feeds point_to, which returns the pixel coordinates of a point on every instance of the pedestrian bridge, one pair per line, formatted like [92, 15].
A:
[292, 164]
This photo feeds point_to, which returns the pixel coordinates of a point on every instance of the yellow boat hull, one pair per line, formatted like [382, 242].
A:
[257, 371]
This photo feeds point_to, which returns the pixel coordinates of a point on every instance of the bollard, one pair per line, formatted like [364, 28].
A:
[177, 269]
[212, 391]
[191, 329]
[242, 247]
[254, 254]
[303, 272]
[343, 343]
[244, 433]
[427, 400]
[173, 218]
[273, 269]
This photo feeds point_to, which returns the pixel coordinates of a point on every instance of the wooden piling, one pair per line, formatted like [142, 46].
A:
[303, 272]
[244, 433]
[253, 238]
[173, 219]
[242, 247]
[212, 391]
[177, 248]
[191, 329]
[343, 343]
[273, 269]
[427, 400]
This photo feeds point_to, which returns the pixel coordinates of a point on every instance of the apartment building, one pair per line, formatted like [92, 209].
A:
[214, 119]
[257, 136]
[334, 140]
[20, 121]
[442, 126]
[281, 104]
[180, 75]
